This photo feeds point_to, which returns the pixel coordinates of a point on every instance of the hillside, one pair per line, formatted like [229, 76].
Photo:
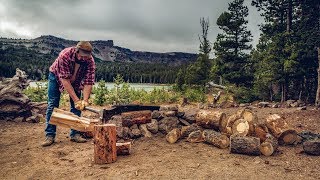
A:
[103, 50]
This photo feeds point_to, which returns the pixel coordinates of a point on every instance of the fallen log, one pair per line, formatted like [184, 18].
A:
[269, 146]
[245, 145]
[105, 137]
[195, 137]
[280, 129]
[210, 119]
[123, 148]
[136, 117]
[69, 120]
[215, 138]
[173, 136]
[312, 147]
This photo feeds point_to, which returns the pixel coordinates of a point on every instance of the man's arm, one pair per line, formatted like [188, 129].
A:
[68, 87]
[86, 92]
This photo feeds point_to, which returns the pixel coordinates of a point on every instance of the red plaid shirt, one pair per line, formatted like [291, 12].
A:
[63, 67]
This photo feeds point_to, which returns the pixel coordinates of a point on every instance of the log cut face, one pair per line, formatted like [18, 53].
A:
[123, 148]
[245, 145]
[269, 146]
[105, 150]
[280, 129]
[13, 102]
[210, 119]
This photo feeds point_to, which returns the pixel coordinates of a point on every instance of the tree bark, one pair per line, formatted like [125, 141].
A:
[105, 150]
[245, 145]
[215, 138]
[195, 137]
[210, 119]
[135, 117]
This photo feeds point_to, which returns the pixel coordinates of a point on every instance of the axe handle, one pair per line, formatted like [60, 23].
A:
[92, 110]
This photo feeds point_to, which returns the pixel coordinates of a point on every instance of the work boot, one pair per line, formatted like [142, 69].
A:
[78, 139]
[49, 140]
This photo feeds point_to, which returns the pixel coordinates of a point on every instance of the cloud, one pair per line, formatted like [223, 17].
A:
[146, 25]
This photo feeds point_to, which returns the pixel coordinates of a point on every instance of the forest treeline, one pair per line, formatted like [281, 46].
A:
[37, 66]
[282, 66]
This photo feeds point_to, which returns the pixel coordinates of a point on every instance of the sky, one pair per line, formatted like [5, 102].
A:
[142, 25]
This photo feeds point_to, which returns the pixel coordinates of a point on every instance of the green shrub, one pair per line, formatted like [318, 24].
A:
[244, 95]
[100, 93]
[38, 93]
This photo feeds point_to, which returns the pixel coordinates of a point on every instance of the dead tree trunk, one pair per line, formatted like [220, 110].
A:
[245, 145]
[13, 103]
[105, 150]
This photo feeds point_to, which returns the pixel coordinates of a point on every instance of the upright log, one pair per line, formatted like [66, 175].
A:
[105, 150]
[136, 117]
[245, 145]
[280, 129]
[210, 119]
[123, 148]
[215, 138]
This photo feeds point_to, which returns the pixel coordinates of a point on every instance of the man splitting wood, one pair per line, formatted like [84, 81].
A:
[73, 71]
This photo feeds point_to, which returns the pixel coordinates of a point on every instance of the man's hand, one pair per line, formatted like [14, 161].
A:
[80, 105]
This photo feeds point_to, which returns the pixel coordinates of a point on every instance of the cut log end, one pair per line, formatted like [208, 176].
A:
[266, 149]
[240, 127]
[288, 137]
[123, 148]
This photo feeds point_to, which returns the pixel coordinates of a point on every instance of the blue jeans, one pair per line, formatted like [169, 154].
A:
[53, 101]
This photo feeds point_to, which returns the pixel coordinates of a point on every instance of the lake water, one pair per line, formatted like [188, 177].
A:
[138, 86]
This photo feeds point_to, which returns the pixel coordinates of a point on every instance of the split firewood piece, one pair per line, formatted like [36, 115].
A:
[105, 137]
[269, 146]
[123, 148]
[240, 127]
[186, 130]
[195, 137]
[215, 138]
[69, 120]
[210, 119]
[173, 135]
[136, 117]
[245, 145]
[281, 130]
[312, 147]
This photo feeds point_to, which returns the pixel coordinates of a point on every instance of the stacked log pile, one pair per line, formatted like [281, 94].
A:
[243, 132]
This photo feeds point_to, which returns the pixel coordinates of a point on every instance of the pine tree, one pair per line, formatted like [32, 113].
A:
[232, 46]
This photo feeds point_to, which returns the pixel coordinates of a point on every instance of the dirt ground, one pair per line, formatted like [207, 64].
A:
[22, 157]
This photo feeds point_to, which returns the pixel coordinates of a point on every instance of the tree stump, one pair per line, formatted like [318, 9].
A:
[280, 129]
[105, 150]
[269, 146]
[216, 139]
[210, 119]
[245, 145]
[312, 147]
[123, 148]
